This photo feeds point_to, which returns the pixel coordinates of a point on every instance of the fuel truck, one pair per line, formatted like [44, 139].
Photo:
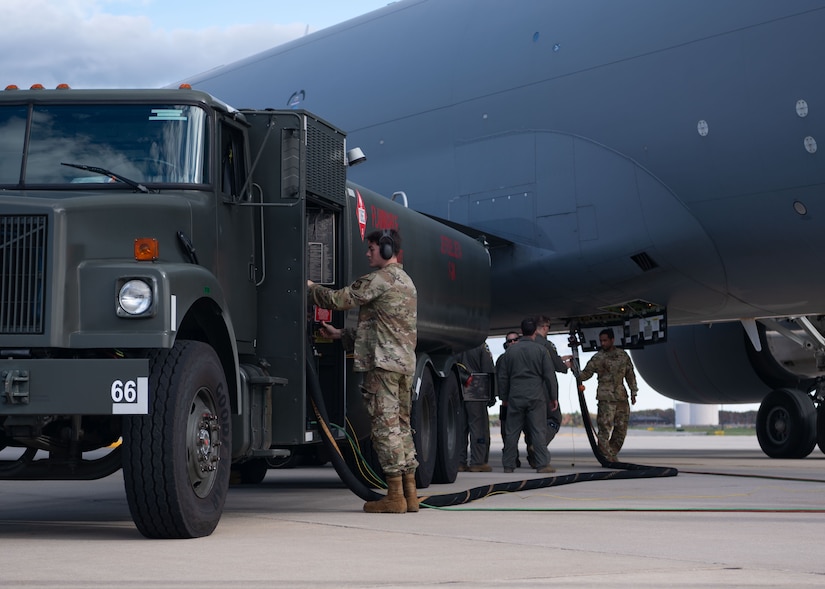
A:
[155, 249]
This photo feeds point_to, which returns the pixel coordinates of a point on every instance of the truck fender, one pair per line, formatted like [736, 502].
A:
[198, 308]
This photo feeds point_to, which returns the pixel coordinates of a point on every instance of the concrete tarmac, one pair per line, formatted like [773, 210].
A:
[731, 518]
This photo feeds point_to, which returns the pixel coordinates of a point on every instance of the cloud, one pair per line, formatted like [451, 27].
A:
[75, 42]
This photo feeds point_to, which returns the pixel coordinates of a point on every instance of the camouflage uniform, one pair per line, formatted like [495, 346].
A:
[384, 348]
[613, 368]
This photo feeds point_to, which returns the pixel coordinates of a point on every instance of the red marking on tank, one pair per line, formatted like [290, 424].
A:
[382, 219]
[450, 247]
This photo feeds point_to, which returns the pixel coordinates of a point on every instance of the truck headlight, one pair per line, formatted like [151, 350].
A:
[135, 297]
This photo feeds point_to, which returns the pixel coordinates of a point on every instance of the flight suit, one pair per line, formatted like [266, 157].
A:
[525, 374]
[476, 418]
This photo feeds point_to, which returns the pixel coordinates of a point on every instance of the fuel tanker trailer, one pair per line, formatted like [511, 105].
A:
[154, 251]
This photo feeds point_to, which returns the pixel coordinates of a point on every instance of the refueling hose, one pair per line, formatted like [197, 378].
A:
[623, 470]
[336, 457]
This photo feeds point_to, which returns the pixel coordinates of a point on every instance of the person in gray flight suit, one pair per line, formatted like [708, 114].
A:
[474, 362]
[526, 373]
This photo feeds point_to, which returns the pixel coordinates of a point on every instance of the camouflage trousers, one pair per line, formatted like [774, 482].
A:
[612, 420]
[388, 399]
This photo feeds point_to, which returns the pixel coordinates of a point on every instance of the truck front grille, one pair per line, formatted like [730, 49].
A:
[22, 272]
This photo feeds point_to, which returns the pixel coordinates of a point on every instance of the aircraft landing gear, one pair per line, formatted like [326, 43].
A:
[787, 424]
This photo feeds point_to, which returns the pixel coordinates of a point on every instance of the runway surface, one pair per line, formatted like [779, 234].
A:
[731, 518]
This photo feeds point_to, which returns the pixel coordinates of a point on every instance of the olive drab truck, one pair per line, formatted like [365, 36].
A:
[155, 249]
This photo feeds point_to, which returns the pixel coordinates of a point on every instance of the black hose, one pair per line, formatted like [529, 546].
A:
[653, 471]
[622, 470]
[350, 480]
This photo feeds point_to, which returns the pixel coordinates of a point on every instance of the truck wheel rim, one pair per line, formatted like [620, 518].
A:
[203, 438]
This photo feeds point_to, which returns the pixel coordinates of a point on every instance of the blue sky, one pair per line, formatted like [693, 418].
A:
[150, 43]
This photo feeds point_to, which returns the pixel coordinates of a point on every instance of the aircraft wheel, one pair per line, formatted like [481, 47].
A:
[176, 460]
[786, 424]
[424, 420]
[449, 430]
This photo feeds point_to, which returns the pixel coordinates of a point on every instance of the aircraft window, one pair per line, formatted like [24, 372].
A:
[147, 143]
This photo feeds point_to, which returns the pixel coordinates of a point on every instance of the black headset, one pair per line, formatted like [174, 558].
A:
[386, 244]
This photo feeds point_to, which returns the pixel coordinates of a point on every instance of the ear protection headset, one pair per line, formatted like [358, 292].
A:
[386, 245]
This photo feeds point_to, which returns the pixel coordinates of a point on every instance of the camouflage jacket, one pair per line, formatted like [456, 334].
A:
[386, 333]
[613, 368]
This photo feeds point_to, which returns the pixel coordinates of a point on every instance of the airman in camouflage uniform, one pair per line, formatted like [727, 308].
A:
[384, 348]
[613, 367]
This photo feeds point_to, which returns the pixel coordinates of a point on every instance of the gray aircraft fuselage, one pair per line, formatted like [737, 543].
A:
[669, 152]
[631, 150]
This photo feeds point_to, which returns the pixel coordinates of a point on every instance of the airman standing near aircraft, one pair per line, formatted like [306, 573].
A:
[613, 367]
[511, 338]
[476, 418]
[525, 374]
[384, 347]
[554, 417]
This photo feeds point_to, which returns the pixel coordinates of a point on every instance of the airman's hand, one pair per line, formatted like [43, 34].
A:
[330, 331]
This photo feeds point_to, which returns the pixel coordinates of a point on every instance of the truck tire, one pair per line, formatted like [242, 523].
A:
[450, 428]
[176, 460]
[424, 420]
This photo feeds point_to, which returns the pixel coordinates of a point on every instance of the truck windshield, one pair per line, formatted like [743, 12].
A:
[147, 143]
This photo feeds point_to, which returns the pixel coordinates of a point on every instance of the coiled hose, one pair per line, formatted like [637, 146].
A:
[622, 470]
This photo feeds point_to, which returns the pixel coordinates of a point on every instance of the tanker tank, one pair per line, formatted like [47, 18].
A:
[451, 272]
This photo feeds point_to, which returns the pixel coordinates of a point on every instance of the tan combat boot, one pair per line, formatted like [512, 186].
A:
[410, 493]
[394, 502]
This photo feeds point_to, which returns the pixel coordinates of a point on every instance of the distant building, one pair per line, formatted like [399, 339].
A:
[647, 420]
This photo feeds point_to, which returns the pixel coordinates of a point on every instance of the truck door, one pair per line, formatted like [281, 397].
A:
[236, 234]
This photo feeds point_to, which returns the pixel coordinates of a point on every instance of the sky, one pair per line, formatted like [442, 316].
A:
[154, 43]
[149, 43]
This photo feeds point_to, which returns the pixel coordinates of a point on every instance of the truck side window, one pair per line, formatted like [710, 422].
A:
[233, 167]
[13, 129]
